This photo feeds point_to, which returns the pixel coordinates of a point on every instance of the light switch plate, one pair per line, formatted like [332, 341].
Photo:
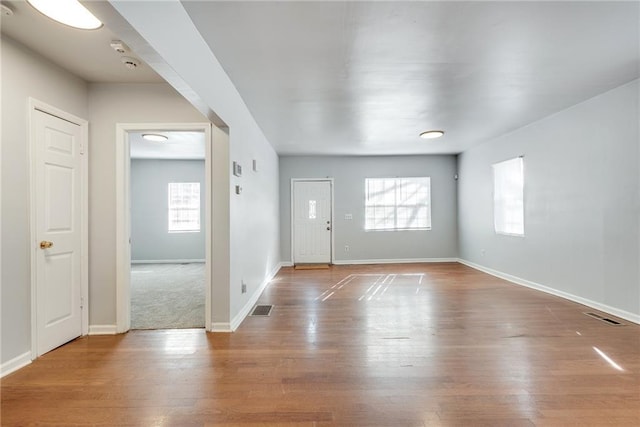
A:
[348, 216]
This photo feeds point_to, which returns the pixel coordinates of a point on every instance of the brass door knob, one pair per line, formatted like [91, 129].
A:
[45, 245]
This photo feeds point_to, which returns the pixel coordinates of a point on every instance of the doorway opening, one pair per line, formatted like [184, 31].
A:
[163, 199]
[167, 229]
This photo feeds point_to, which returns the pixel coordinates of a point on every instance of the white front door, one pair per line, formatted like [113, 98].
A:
[58, 230]
[312, 222]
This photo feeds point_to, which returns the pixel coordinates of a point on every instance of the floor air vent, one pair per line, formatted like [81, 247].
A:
[262, 310]
[605, 319]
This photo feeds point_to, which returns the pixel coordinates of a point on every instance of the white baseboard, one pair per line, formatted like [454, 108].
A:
[166, 261]
[103, 329]
[286, 264]
[631, 317]
[393, 261]
[221, 327]
[14, 364]
[239, 318]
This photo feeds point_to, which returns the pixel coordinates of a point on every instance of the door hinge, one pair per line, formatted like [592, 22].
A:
[81, 302]
[81, 148]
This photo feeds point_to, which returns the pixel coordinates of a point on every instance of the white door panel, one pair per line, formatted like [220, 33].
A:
[58, 205]
[312, 221]
[58, 215]
[58, 282]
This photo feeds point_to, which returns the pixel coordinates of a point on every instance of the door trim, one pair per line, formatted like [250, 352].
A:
[291, 203]
[123, 215]
[33, 106]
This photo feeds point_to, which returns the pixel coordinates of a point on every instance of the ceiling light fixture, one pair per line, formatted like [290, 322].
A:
[67, 12]
[432, 134]
[155, 137]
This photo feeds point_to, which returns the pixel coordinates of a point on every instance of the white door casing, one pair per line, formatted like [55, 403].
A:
[59, 227]
[312, 203]
[123, 215]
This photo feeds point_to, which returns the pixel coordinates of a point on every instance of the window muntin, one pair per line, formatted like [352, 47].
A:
[508, 197]
[398, 203]
[184, 207]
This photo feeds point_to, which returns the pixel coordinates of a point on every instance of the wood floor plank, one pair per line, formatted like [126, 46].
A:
[391, 345]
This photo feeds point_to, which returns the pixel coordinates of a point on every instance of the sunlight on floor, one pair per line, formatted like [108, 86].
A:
[376, 289]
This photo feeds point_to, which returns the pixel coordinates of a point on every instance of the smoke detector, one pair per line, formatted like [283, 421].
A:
[130, 63]
[5, 10]
[119, 46]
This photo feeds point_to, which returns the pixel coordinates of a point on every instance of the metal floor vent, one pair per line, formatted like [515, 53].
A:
[262, 310]
[605, 319]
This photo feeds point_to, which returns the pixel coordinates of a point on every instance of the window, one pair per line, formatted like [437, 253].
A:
[312, 209]
[508, 197]
[398, 203]
[184, 207]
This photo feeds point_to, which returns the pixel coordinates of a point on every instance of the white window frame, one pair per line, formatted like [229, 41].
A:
[397, 204]
[191, 205]
[508, 197]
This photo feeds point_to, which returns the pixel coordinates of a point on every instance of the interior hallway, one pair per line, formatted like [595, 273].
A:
[384, 345]
[167, 296]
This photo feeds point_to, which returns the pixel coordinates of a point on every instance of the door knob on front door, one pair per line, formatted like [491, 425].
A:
[45, 245]
[328, 228]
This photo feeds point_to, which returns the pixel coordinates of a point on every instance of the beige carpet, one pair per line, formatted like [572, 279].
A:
[167, 296]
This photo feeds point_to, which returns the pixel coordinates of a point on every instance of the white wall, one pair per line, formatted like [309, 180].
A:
[582, 202]
[150, 238]
[110, 104]
[254, 223]
[24, 74]
[349, 174]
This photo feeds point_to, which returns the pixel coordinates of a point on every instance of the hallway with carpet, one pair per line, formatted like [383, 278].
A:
[167, 296]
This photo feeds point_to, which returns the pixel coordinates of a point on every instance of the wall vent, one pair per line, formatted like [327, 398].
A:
[261, 310]
[605, 319]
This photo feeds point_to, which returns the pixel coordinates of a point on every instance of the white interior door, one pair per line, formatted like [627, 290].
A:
[58, 230]
[312, 222]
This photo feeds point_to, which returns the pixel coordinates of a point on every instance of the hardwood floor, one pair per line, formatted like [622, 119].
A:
[393, 345]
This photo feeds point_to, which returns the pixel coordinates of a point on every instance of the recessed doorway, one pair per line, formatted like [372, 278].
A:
[167, 229]
[163, 226]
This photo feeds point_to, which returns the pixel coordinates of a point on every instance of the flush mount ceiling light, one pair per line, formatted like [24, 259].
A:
[155, 137]
[67, 12]
[432, 134]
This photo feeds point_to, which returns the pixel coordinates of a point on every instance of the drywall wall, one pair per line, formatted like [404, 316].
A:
[24, 74]
[582, 202]
[110, 104]
[150, 238]
[253, 214]
[349, 174]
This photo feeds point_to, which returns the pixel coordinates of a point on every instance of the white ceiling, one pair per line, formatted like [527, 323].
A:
[179, 146]
[366, 77]
[86, 54]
